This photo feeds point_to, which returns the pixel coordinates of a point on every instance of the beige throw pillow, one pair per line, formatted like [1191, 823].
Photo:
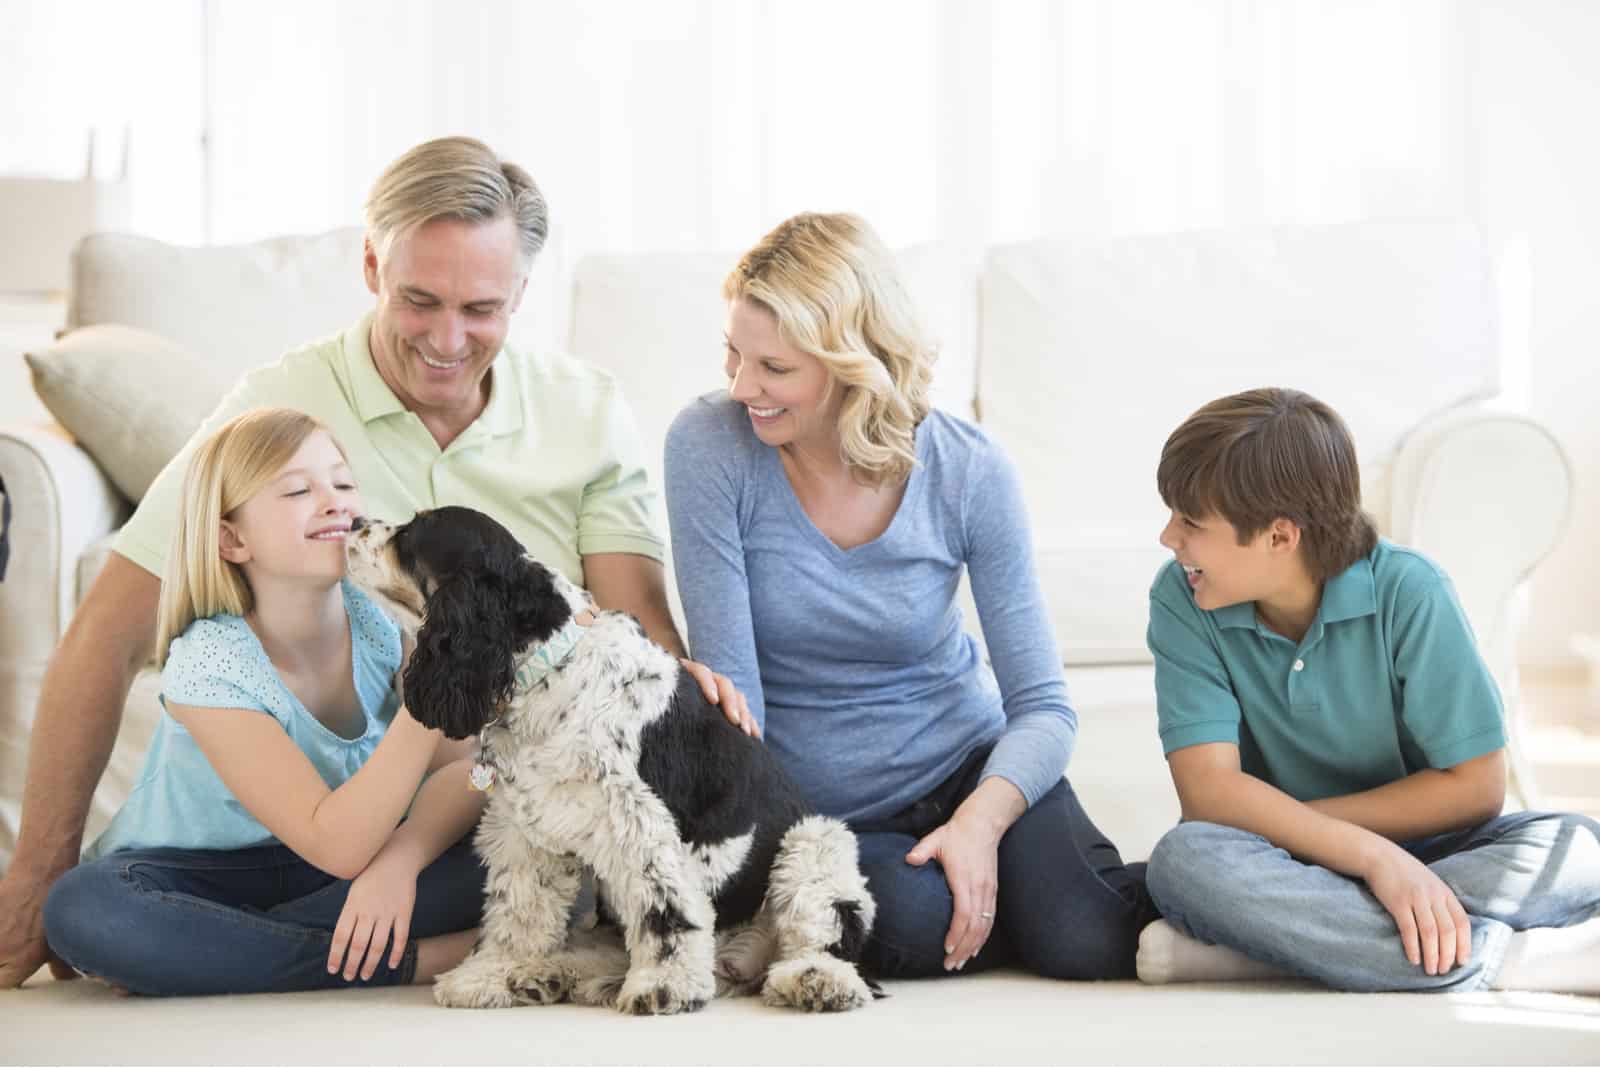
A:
[130, 397]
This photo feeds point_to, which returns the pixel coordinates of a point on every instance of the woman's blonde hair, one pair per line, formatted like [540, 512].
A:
[836, 293]
[228, 468]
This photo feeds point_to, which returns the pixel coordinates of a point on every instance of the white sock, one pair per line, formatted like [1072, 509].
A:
[1562, 960]
[1167, 955]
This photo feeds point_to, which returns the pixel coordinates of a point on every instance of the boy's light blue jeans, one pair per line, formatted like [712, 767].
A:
[1233, 888]
[243, 921]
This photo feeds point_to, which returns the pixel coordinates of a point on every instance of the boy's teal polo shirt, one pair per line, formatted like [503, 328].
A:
[1387, 681]
[554, 455]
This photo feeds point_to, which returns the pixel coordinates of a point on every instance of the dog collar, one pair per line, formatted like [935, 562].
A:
[546, 657]
[531, 670]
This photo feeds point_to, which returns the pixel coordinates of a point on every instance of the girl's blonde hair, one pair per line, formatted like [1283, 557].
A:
[836, 293]
[228, 468]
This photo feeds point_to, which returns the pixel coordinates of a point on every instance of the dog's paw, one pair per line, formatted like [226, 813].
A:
[662, 992]
[539, 982]
[601, 990]
[474, 985]
[816, 983]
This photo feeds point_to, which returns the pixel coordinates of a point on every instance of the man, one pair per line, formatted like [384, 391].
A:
[432, 409]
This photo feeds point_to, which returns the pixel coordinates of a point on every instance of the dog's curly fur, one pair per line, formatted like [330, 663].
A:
[721, 876]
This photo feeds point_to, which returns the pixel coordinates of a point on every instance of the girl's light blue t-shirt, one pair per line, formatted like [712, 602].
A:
[179, 801]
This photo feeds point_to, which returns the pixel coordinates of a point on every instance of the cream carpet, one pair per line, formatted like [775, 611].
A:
[989, 1019]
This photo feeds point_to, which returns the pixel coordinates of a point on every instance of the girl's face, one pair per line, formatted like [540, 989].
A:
[295, 525]
[784, 390]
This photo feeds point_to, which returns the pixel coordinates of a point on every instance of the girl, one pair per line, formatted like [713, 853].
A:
[822, 514]
[259, 849]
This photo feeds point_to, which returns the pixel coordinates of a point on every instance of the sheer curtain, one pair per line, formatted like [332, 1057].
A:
[698, 124]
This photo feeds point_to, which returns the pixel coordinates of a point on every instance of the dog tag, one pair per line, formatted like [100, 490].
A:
[482, 778]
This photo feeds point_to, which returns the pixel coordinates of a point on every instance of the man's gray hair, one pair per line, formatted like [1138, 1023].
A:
[455, 178]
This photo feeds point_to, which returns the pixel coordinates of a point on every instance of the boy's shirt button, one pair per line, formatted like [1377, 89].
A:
[1299, 665]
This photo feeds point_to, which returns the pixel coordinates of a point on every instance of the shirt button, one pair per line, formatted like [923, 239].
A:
[1299, 665]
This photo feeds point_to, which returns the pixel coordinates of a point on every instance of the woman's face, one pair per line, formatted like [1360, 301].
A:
[785, 391]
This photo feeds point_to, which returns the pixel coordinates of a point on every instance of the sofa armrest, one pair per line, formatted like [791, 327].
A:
[60, 503]
[1486, 495]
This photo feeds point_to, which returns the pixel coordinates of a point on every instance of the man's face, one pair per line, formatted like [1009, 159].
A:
[446, 293]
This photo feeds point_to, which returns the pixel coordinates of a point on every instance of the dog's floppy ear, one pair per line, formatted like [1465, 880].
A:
[539, 609]
[465, 660]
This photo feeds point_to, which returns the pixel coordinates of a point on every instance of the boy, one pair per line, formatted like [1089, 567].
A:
[1336, 740]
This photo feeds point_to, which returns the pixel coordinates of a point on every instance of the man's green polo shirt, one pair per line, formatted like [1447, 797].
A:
[1387, 681]
[554, 455]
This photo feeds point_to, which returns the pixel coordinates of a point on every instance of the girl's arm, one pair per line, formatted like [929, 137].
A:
[445, 809]
[339, 831]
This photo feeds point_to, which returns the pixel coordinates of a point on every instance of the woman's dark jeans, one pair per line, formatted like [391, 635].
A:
[1068, 907]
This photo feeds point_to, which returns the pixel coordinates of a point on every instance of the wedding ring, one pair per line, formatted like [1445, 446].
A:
[987, 915]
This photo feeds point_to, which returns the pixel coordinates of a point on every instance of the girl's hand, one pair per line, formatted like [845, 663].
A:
[379, 904]
[969, 852]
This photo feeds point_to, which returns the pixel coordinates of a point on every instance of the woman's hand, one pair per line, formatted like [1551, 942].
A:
[968, 849]
[719, 690]
[379, 904]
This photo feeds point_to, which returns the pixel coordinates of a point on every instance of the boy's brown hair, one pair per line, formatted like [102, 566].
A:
[1265, 454]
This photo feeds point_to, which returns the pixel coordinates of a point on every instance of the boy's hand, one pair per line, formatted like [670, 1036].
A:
[379, 903]
[1434, 928]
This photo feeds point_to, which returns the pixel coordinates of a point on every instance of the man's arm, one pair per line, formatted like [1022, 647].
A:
[637, 585]
[626, 582]
[74, 729]
[1426, 802]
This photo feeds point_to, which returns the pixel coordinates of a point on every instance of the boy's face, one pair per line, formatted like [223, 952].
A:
[1220, 570]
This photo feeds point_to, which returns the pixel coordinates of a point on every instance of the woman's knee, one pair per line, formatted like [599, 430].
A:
[914, 909]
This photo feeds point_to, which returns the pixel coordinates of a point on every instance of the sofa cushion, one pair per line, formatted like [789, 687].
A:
[656, 322]
[1093, 352]
[234, 306]
[130, 397]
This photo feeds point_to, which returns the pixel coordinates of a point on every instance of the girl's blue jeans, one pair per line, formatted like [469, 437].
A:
[245, 921]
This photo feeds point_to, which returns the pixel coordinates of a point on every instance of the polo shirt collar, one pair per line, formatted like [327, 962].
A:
[1350, 594]
[374, 399]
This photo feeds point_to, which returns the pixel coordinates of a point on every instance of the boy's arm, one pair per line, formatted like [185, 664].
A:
[1430, 801]
[1433, 927]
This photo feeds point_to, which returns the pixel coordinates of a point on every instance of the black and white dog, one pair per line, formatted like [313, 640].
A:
[599, 750]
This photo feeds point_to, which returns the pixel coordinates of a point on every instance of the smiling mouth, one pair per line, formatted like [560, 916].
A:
[441, 365]
[766, 413]
[329, 535]
[1193, 574]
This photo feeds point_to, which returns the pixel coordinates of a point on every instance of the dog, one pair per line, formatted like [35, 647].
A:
[599, 750]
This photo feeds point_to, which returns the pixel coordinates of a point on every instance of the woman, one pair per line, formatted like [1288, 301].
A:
[822, 514]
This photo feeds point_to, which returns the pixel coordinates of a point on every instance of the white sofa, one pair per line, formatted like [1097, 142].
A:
[1080, 357]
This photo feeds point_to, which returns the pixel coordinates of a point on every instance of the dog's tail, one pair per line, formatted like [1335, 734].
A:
[818, 889]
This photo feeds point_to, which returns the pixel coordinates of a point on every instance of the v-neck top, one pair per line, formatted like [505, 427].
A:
[178, 800]
[855, 661]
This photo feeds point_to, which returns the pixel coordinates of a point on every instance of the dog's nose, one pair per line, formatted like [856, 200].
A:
[357, 523]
